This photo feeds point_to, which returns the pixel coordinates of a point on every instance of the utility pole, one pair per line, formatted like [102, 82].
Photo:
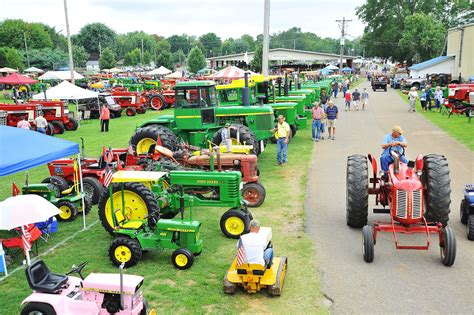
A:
[69, 44]
[342, 26]
[100, 49]
[266, 37]
[26, 50]
[142, 53]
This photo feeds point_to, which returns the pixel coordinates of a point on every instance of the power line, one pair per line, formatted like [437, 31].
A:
[342, 26]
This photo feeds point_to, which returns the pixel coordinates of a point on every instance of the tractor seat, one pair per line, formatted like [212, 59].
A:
[42, 280]
[67, 191]
[129, 225]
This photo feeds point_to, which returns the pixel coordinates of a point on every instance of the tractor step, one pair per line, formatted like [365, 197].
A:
[387, 211]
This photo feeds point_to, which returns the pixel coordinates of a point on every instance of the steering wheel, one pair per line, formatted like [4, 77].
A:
[392, 149]
[152, 219]
[78, 269]
[152, 214]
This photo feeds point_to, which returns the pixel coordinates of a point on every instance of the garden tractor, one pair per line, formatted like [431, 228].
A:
[467, 210]
[16, 112]
[198, 118]
[133, 237]
[98, 293]
[255, 277]
[416, 195]
[209, 189]
[132, 102]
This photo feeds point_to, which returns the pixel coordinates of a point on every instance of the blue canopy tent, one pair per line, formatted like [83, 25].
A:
[326, 71]
[346, 69]
[22, 149]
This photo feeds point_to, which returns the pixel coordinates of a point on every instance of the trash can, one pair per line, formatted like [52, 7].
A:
[3, 263]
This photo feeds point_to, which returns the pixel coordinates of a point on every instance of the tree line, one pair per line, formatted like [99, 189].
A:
[47, 47]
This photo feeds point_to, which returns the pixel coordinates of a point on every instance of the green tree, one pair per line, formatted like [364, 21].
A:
[179, 57]
[132, 40]
[12, 58]
[256, 63]
[48, 58]
[249, 40]
[422, 37]
[211, 43]
[80, 56]
[196, 60]
[58, 40]
[182, 42]
[107, 59]
[12, 34]
[92, 34]
[146, 58]
[165, 59]
[227, 47]
[132, 58]
[240, 46]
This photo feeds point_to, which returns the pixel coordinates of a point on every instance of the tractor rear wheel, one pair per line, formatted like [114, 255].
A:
[234, 223]
[37, 308]
[294, 129]
[68, 211]
[71, 125]
[357, 191]
[254, 193]
[470, 227]
[245, 136]
[369, 244]
[139, 201]
[182, 258]
[464, 211]
[125, 250]
[157, 102]
[436, 183]
[448, 246]
[50, 129]
[145, 137]
[141, 110]
[131, 111]
[60, 184]
[277, 288]
[87, 204]
[92, 188]
[58, 127]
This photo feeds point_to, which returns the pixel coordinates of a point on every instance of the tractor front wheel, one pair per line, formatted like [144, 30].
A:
[125, 250]
[50, 129]
[369, 244]
[87, 205]
[92, 188]
[357, 191]
[68, 211]
[464, 211]
[37, 308]
[131, 111]
[436, 182]
[234, 223]
[157, 102]
[470, 227]
[58, 127]
[182, 258]
[448, 246]
[141, 110]
[254, 193]
[71, 125]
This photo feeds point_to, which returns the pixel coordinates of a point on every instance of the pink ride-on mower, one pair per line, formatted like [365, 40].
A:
[98, 293]
[416, 195]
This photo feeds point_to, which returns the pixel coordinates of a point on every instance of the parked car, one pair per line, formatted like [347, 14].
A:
[397, 78]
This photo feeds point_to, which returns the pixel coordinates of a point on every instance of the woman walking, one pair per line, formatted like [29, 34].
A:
[104, 119]
[423, 100]
[412, 96]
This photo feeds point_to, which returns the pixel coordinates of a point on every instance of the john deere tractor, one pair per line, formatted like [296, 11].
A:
[208, 189]
[198, 119]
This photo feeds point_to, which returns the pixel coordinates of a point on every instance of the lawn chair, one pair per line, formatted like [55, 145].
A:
[14, 246]
[47, 228]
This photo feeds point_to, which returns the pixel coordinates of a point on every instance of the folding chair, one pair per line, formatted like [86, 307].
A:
[47, 228]
[14, 246]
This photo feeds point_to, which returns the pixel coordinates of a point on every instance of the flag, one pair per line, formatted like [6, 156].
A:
[158, 141]
[15, 190]
[108, 175]
[130, 150]
[109, 155]
[240, 254]
[26, 238]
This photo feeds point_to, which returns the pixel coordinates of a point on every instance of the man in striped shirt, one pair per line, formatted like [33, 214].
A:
[318, 114]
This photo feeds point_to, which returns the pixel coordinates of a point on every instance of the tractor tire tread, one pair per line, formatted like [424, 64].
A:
[357, 198]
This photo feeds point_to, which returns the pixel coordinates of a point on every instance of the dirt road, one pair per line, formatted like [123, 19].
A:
[397, 281]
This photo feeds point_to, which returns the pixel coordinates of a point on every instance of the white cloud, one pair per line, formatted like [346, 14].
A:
[230, 18]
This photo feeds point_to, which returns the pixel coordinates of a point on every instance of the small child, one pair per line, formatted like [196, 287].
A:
[348, 98]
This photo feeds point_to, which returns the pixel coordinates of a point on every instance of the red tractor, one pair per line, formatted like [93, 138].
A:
[133, 102]
[416, 195]
[159, 100]
[460, 100]
[252, 191]
[57, 113]
[16, 112]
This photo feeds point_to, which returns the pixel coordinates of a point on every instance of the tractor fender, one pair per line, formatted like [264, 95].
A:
[373, 161]
[166, 120]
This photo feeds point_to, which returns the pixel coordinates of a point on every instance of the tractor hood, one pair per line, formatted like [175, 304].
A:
[244, 110]
[110, 283]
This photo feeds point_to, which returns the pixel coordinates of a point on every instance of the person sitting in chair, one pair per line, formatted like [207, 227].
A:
[393, 141]
[255, 246]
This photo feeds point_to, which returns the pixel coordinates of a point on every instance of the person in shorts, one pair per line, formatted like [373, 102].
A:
[365, 98]
[356, 99]
[331, 115]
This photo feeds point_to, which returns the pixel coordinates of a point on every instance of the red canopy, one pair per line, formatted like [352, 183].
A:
[231, 72]
[15, 79]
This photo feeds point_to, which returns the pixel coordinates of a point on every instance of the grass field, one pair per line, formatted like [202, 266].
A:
[199, 289]
[457, 126]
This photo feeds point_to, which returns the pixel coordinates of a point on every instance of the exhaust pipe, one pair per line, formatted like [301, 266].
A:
[245, 91]
[122, 304]
[396, 162]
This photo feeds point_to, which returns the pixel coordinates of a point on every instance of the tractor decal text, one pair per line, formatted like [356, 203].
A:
[181, 230]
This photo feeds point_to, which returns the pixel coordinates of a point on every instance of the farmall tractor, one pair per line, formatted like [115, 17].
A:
[132, 102]
[57, 113]
[16, 112]
[416, 195]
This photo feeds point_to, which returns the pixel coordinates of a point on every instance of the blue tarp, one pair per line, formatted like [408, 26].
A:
[325, 71]
[346, 69]
[22, 149]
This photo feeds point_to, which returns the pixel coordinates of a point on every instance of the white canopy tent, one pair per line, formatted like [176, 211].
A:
[66, 91]
[34, 70]
[175, 75]
[60, 75]
[7, 70]
[160, 71]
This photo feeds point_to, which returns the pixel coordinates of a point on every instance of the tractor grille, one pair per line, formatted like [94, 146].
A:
[402, 199]
[416, 204]
[234, 189]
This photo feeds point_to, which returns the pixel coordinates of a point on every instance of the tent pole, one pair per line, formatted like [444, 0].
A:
[77, 113]
[82, 191]
[27, 251]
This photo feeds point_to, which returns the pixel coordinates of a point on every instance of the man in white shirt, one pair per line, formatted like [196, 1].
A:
[255, 246]
[41, 123]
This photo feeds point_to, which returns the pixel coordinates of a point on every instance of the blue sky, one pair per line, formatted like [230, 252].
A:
[226, 18]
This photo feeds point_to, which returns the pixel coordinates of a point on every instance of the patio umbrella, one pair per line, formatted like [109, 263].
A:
[17, 79]
[8, 70]
[22, 210]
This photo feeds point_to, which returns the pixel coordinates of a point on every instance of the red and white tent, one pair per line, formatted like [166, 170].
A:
[230, 72]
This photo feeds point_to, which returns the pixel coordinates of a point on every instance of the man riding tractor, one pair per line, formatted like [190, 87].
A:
[392, 142]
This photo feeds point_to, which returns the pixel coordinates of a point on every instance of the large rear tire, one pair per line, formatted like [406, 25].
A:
[58, 127]
[145, 137]
[93, 189]
[60, 184]
[436, 182]
[245, 136]
[357, 191]
[139, 201]
[157, 102]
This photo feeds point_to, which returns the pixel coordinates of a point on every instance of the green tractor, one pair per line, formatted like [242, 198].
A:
[57, 191]
[198, 119]
[135, 234]
[137, 192]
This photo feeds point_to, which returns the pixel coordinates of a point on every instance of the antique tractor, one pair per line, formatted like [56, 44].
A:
[209, 189]
[98, 293]
[416, 195]
[467, 210]
[133, 237]
[16, 112]
[57, 113]
[132, 102]
[197, 119]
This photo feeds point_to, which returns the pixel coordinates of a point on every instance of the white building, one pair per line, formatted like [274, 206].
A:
[92, 65]
[441, 64]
